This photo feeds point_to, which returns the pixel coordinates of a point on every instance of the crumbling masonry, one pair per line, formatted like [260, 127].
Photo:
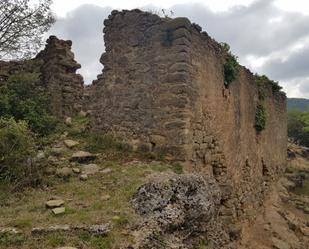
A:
[162, 90]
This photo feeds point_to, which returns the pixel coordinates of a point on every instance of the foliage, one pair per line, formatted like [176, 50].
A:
[231, 66]
[263, 81]
[16, 150]
[260, 118]
[22, 26]
[24, 99]
[298, 127]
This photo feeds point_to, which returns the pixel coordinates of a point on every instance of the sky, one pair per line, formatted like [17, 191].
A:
[269, 36]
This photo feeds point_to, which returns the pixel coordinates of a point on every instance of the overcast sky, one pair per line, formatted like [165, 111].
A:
[269, 36]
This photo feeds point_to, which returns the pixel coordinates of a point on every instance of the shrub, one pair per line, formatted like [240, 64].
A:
[260, 118]
[23, 98]
[231, 66]
[16, 150]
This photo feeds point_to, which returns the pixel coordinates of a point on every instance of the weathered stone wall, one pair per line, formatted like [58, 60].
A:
[57, 69]
[58, 73]
[162, 89]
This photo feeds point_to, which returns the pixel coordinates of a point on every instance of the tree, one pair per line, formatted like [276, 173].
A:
[22, 25]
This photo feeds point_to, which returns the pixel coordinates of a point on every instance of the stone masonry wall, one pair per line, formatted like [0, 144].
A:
[57, 69]
[162, 89]
[58, 74]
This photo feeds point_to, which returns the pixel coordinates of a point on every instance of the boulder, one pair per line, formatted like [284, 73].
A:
[173, 205]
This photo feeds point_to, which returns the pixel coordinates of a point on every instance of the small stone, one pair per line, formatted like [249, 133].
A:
[82, 156]
[70, 143]
[64, 172]
[40, 155]
[82, 113]
[306, 210]
[76, 170]
[116, 218]
[90, 169]
[68, 121]
[59, 210]
[105, 197]
[106, 171]
[83, 177]
[54, 203]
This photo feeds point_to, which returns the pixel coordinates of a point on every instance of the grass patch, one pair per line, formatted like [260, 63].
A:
[23, 223]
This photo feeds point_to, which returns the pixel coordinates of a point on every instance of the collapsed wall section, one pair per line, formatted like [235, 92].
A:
[162, 89]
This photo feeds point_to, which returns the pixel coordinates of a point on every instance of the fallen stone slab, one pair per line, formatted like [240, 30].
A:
[82, 156]
[70, 143]
[58, 210]
[54, 203]
[101, 229]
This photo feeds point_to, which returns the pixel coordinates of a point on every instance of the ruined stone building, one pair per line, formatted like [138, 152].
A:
[162, 89]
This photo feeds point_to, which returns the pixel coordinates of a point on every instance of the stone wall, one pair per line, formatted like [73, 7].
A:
[162, 89]
[57, 69]
[58, 73]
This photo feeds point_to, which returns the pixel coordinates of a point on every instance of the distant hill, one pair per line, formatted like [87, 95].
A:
[298, 104]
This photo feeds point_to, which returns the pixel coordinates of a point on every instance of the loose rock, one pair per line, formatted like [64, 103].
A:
[54, 203]
[59, 210]
[70, 143]
[90, 169]
[64, 172]
[83, 177]
[82, 156]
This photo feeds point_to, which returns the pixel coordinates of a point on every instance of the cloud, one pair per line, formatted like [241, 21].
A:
[84, 26]
[296, 65]
[257, 29]
[260, 31]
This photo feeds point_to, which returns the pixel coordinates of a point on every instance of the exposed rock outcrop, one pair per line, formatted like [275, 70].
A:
[177, 211]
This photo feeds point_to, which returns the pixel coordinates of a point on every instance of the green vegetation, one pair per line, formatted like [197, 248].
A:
[263, 82]
[16, 149]
[260, 118]
[231, 66]
[22, 98]
[298, 127]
